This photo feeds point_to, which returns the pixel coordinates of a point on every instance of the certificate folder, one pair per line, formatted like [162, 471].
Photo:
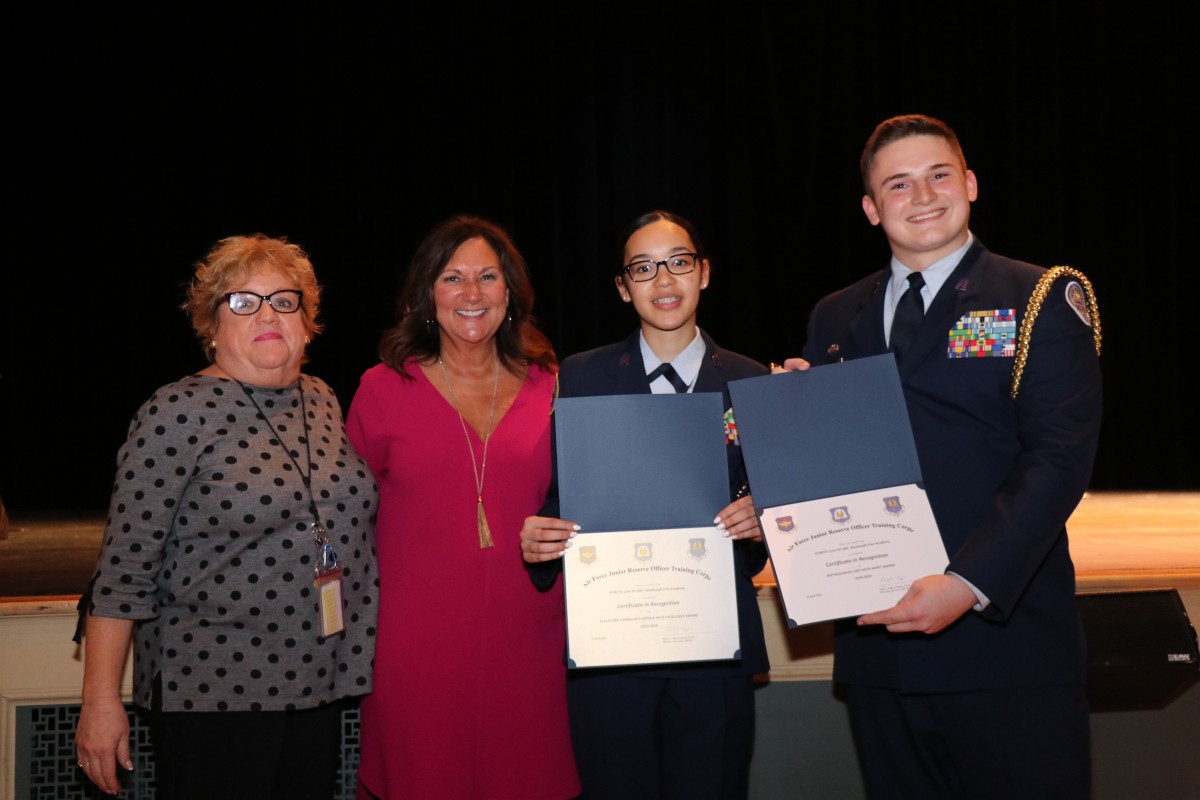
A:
[639, 461]
[826, 431]
[649, 579]
[837, 483]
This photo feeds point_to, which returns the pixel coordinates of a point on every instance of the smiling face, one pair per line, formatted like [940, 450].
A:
[265, 348]
[470, 295]
[667, 303]
[922, 197]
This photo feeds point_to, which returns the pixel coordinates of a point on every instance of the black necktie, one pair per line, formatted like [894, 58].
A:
[909, 312]
[666, 370]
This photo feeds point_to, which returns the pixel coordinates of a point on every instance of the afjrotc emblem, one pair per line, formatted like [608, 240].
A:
[892, 506]
[840, 514]
[785, 524]
[642, 551]
[696, 549]
[587, 554]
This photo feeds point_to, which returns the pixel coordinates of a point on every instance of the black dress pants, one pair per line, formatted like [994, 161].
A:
[650, 738]
[256, 755]
[1031, 743]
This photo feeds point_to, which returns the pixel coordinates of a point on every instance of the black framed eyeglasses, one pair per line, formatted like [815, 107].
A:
[678, 264]
[285, 301]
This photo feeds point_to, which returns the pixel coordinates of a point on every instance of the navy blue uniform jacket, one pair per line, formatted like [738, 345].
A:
[1003, 475]
[618, 369]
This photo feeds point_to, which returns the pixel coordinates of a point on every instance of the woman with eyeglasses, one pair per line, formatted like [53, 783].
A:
[238, 555]
[685, 730]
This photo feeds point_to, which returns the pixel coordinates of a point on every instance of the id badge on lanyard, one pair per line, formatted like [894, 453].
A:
[328, 582]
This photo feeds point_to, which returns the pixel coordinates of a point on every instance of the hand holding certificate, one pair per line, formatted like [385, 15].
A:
[650, 579]
[834, 467]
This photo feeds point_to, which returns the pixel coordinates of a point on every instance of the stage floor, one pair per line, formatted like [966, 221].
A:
[1118, 540]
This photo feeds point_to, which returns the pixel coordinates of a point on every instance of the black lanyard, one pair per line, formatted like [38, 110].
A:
[326, 558]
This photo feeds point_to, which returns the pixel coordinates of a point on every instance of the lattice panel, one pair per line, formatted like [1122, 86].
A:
[53, 774]
[349, 773]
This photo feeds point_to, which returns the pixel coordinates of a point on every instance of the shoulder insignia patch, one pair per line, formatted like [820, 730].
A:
[1077, 301]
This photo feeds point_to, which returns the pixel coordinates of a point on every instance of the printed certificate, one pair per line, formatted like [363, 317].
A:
[837, 484]
[853, 554]
[650, 597]
[649, 579]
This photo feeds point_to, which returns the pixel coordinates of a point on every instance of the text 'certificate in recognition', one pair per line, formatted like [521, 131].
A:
[645, 597]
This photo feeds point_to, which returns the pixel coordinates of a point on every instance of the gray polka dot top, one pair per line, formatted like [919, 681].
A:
[208, 546]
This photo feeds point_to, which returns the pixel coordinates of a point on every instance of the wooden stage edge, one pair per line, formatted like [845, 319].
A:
[1128, 540]
[1119, 540]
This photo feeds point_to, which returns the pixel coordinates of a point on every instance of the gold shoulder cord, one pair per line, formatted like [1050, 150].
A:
[1035, 305]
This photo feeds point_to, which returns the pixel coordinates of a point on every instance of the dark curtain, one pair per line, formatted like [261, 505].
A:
[134, 142]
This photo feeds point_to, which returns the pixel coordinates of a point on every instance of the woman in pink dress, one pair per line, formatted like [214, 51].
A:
[470, 685]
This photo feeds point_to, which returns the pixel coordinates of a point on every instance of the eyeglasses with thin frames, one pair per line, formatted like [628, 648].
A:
[678, 264]
[284, 301]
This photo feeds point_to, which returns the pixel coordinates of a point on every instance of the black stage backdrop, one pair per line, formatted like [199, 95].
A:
[134, 139]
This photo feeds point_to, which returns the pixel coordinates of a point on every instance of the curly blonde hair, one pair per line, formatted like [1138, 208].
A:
[231, 261]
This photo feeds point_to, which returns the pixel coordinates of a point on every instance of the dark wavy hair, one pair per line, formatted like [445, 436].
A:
[415, 334]
[896, 128]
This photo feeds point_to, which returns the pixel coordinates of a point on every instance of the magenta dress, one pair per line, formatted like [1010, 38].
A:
[470, 686]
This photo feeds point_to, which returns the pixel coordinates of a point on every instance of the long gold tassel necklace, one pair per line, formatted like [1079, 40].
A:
[485, 534]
